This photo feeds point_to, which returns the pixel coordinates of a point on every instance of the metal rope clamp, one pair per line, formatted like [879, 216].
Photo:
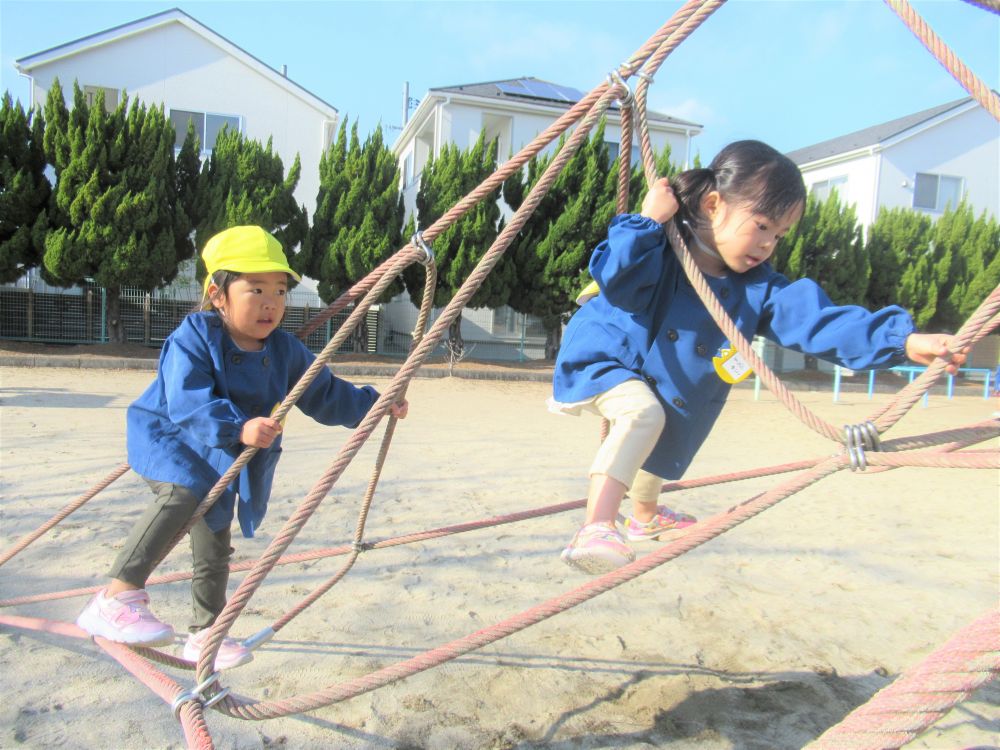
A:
[417, 240]
[615, 78]
[858, 438]
[196, 694]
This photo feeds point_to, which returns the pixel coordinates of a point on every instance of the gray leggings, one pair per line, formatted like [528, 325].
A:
[210, 551]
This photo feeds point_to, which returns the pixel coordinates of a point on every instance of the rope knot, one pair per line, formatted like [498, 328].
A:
[857, 438]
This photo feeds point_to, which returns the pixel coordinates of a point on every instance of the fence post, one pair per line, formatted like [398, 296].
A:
[524, 327]
[147, 303]
[104, 316]
[31, 312]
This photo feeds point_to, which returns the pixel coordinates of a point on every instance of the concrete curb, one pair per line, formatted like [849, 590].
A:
[347, 371]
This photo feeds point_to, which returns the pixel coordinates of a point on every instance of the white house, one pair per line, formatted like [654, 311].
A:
[515, 112]
[171, 59]
[923, 161]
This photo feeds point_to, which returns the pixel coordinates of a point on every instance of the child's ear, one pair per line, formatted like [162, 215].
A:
[710, 203]
[215, 295]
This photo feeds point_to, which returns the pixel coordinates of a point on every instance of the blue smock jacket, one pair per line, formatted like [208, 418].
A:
[185, 428]
[649, 323]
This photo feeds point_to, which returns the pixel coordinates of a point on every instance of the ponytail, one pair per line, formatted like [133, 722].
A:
[747, 173]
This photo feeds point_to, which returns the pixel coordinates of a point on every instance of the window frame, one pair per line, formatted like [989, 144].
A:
[182, 133]
[940, 204]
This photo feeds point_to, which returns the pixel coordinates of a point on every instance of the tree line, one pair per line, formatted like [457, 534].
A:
[87, 194]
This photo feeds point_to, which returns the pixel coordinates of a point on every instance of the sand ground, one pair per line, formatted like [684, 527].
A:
[761, 638]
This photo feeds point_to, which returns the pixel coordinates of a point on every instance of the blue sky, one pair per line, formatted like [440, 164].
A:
[789, 72]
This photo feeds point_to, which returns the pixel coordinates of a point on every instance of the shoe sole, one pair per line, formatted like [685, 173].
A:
[102, 630]
[594, 565]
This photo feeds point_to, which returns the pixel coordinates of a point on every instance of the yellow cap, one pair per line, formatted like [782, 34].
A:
[247, 249]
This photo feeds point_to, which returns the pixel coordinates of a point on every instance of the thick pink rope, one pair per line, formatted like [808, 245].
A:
[922, 695]
[952, 62]
[70, 507]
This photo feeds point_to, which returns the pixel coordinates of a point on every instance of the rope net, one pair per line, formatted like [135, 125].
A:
[950, 448]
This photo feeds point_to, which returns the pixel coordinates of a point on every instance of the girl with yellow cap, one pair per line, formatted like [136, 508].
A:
[220, 373]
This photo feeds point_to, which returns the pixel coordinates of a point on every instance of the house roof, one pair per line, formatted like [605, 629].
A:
[871, 136]
[174, 15]
[531, 90]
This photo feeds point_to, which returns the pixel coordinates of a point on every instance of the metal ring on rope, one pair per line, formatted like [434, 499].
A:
[857, 438]
[615, 78]
[196, 695]
[418, 242]
[645, 76]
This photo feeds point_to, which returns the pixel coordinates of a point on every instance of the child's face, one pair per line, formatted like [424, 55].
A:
[252, 306]
[746, 239]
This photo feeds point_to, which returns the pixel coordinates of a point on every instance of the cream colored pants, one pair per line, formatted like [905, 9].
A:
[637, 421]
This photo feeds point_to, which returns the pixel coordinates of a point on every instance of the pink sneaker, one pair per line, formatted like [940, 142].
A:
[597, 548]
[231, 654]
[125, 618]
[665, 523]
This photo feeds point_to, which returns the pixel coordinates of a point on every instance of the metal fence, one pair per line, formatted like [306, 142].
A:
[40, 313]
[148, 318]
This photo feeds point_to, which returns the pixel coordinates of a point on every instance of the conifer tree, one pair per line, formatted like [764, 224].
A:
[826, 246]
[447, 177]
[895, 238]
[965, 248]
[359, 214]
[244, 182]
[113, 213]
[24, 190]
[552, 250]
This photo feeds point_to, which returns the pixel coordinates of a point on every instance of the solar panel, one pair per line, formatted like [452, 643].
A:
[540, 90]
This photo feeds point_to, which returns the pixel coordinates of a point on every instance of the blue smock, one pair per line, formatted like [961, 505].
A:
[648, 322]
[185, 428]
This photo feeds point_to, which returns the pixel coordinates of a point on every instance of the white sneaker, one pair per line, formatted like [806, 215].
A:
[597, 548]
[231, 653]
[125, 618]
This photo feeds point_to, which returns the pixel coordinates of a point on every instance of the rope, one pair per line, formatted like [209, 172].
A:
[954, 65]
[590, 108]
[695, 537]
[922, 695]
[71, 507]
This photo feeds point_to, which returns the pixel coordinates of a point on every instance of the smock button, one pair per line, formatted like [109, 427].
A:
[724, 292]
[237, 359]
[701, 349]
[672, 334]
[266, 361]
[679, 402]
[650, 379]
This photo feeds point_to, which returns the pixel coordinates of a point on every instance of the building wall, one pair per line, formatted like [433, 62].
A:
[858, 190]
[966, 146]
[461, 122]
[179, 68]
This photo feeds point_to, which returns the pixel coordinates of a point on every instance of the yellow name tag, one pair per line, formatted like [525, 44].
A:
[589, 292]
[730, 365]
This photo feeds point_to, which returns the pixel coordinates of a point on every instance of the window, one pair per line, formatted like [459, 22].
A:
[614, 147]
[498, 128]
[408, 170]
[823, 188]
[110, 97]
[932, 192]
[206, 126]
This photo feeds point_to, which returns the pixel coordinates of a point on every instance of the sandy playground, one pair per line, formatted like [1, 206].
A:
[762, 638]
